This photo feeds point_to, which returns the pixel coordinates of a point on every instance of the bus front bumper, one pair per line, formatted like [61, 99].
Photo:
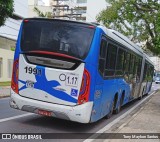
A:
[78, 113]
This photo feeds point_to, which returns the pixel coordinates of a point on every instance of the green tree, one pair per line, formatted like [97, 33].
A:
[137, 19]
[6, 10]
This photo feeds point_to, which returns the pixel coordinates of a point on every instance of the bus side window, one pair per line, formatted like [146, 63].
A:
[120, 62]
[139, 68]
[151, 69]
[145, 72]
[102, 57]
[135, 65]
[132, 61]
[127, 62]
[111, 60]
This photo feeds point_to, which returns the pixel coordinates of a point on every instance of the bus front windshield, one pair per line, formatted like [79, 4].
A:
[59, 36]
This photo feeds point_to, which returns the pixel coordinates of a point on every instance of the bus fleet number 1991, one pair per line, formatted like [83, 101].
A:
[34, 71]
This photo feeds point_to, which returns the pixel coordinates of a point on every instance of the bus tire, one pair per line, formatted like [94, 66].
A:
[139, 98]
[109, 115]
[117, 110]
[120, 103]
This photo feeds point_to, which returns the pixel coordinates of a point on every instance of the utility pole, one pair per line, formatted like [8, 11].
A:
[59, 8]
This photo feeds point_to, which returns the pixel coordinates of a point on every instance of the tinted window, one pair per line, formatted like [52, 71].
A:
[135, 65]
[150, 72]
[131, 67]
[103, 48]
[145, 71]
[127, 62]
[111, 60]
[102, 58]
[120, 62]
[73, 39]
[139, 68]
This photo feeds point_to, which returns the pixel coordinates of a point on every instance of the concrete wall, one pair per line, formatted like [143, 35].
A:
[5, 56]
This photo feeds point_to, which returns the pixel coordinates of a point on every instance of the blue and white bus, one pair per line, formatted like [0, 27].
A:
[76, 71]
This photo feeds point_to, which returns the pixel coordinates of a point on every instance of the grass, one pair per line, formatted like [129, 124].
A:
[7, 83]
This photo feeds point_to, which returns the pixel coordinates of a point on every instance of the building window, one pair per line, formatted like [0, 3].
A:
[81, 9]
[10, 64]
[81, 1]
[1, 67]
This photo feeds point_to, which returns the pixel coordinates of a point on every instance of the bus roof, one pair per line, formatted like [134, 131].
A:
[64, 20]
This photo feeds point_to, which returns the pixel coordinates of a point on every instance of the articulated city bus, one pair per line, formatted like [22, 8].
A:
[76, 71]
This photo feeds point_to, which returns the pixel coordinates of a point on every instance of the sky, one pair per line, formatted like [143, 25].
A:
[93, 8]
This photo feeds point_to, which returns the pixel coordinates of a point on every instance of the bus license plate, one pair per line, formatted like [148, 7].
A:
[44, 112]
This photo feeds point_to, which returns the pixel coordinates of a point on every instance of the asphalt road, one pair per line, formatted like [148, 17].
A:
[40, 124]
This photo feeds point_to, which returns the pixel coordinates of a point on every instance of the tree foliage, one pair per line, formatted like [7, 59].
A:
[6, 10]
[137, 19]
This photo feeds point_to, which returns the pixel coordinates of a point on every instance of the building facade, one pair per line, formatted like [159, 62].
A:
[40, 5]
[54, 8]
[80, 10]
[8, 37]
[156, 61]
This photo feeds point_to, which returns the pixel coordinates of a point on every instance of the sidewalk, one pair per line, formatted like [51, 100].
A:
[144, 119]
[4, 91]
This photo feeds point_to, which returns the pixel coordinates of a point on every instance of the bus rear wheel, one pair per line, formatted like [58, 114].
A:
[118, 109]
[109, 115]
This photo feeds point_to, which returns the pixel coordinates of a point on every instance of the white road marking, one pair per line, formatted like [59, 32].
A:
[15, 117]
[108, 126]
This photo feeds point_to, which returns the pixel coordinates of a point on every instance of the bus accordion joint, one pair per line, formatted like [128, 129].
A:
[85, 88]
[14, 82]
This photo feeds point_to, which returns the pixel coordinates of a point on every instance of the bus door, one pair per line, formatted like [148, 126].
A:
[135, 70]
[99, 81]
[109, 79]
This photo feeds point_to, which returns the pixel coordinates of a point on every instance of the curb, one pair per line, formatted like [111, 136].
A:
[4, 91]
[5, 87]
[4, 96]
